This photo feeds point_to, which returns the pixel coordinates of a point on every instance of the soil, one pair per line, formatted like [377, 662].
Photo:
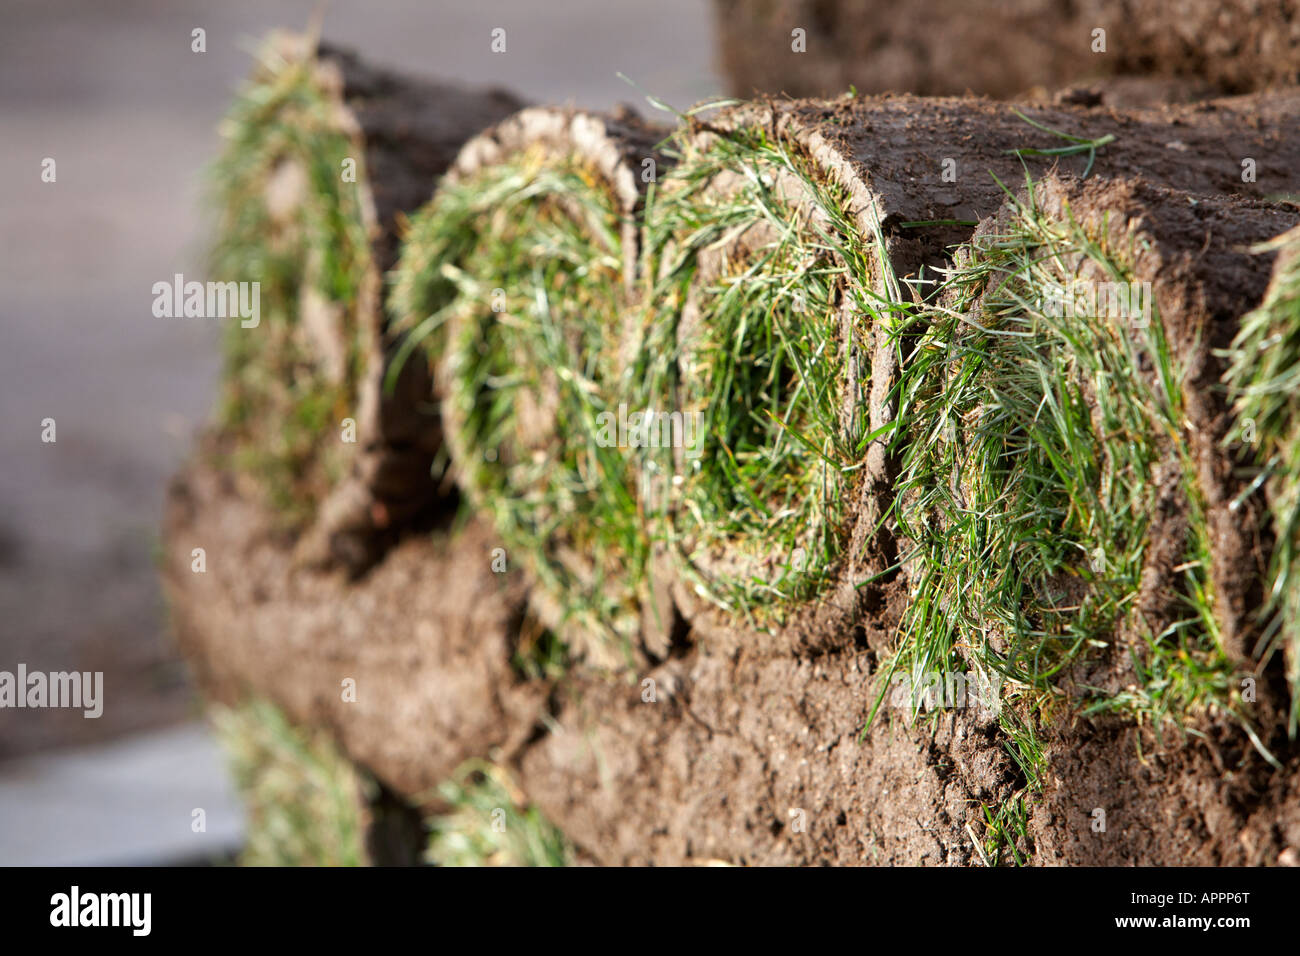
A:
[1004, 49]
[426, 635]
[718, 765]
[1200, 801]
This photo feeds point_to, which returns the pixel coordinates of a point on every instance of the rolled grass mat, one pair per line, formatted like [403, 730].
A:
[1262, 377]
[323, 154]
[1070, 522]
[514, 280]
[762, 464]
[846, 210]
[1002, 49]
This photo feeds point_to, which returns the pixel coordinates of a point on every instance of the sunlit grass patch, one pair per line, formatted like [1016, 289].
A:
[304, 800]
[1006, 840]
[1038, 435]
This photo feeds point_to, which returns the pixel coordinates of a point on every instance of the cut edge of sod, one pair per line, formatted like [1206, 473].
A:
[288, 220]
[1034, 450]
[511, 281]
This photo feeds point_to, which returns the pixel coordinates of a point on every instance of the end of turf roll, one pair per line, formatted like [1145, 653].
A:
[515, 280]
[1065, 490]
[1266, 429]
[324, 154]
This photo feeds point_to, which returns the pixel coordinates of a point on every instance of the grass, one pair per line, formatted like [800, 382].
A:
[304, 800]
[1033, 440]
[1264, 376]
[1006, 838]
[490, 825]
[760, 518]
[1079, 145]
[511, 282]
[279, 400]
[1035, 434]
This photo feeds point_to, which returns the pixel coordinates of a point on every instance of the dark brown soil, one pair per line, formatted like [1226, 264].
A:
[1198, 801]
[890, 152]
[1003, 48]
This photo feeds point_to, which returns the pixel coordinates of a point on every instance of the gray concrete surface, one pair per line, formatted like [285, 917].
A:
[124, 803]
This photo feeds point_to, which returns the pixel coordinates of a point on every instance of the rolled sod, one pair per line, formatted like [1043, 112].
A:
[514, 281]
[790, 242]
[1074, 522]
[322, 156]
[994, 48]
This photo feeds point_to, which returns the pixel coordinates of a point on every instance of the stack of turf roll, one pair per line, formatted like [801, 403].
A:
[323, 155]
[515, 281]
[323, 158]
[998, 393]
[791, 244]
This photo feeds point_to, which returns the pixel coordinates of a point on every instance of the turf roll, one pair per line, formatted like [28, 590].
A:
[322, 156]
[1072, 520]
[515, 282]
